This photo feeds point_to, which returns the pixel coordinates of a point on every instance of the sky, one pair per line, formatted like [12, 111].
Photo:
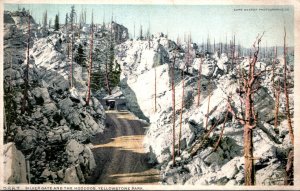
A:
[217, 21]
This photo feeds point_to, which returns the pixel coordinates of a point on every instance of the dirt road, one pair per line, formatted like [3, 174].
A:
[119, 152]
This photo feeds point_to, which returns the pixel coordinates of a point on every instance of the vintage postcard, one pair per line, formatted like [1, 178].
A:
[149, 95]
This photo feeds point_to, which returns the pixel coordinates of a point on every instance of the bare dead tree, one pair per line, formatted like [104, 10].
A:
[289, 179]
[214, 45]
[226, 46]
[221, 47]
[249, 120]
[107, 75]
[199, 81]
[68, 50]
[181, 111]
[173, 106]
[273, 69]
[200, 143]
[287, 101]
[10, 72]
[155, 109]
[25, 94]
[208, 44]
[188, 54]
[133, 30]
[208, 104]
[276, 89]
[91, 62]
[221, 134]
[277, 96]
[250, 116]
[187, 63]
[233, 50]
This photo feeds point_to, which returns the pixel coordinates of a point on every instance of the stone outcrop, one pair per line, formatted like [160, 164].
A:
[14, 165]
[54, 120]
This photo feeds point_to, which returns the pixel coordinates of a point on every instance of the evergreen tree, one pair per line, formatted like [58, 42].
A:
[106, 70]
[111, 58]
[50, 23]
[45, 19]
[67, 18]
[80, 56]
[116, 74]
[98, 73]
[141, 32]
[56, 23]
[72, 16]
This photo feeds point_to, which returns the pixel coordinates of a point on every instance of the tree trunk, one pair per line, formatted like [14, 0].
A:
[209, 95]
[173, 106]
[287, 104]
[106, 78]
[68, 50]
[221, 134]
[181, 111]
[273, 70]
[90, 68]
[71, 64]
[155, 89]
[248, 156]
[214, 46]
[232, 52]
[277, 96]
[221, 49]
[25, 98]
[250, 120]
[10, 76]
[289, 179]
[199, 83]
[248, 143]
[6, 127]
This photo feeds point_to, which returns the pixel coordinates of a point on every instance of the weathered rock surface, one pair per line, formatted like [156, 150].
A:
[54, 121]
[141, 60]
[14, 165]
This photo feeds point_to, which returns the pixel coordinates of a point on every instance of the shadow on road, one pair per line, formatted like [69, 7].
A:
[139, 172]
[119, 153]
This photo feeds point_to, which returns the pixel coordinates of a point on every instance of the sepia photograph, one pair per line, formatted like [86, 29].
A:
[149, 95]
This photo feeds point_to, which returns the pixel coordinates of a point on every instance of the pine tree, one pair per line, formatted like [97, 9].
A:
[116, 74]
[80, 57]
[107, 80]
[56, 23]
[50, 23]
[91, 62]
[106, 70]
[72, 16]
[141, 32]
[96, 79]
[66, 19]
[45, 20]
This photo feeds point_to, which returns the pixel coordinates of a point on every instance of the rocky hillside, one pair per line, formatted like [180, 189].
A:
[50, 141]
[141, 59]
[53, 134]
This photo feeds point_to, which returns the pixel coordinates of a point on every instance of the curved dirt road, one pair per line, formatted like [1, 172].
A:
[119, 152]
